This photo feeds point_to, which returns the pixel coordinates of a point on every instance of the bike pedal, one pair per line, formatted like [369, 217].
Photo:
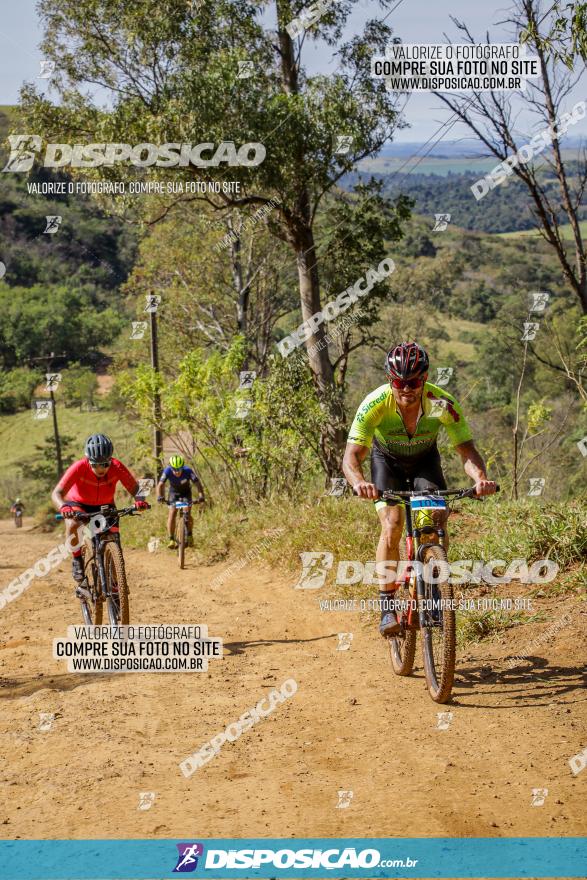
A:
[83, 594]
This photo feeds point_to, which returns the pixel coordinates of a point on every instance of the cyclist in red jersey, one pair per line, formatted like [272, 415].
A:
[89, 483]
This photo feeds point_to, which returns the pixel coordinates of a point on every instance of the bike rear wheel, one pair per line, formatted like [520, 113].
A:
[18, 522]
[117, 602]
[439, 633]
[402, 648]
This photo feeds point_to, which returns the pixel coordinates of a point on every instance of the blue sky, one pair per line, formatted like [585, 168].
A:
[415, 21]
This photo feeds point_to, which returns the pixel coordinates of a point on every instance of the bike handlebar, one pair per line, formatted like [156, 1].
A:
[468, 492]
[111, 511]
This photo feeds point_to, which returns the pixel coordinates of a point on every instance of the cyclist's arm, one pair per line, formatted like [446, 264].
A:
[64, 485]
[367, 417]
[354, 456]
[57, 498]
[196, 481]
[474, 467]
[161, 488]
[129, 481]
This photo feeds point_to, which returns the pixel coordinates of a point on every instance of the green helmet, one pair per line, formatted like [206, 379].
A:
[176, 462]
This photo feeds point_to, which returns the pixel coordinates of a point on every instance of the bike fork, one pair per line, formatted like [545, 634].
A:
[421, 594]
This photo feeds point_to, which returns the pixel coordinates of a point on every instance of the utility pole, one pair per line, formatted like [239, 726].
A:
[152, 306]
[58, 456]
[56, 435]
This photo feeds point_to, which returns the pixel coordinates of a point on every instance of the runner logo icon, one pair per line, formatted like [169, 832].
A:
[188, 854]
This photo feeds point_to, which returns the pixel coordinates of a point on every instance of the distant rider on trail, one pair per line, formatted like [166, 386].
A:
[181, 478]
[17, 510]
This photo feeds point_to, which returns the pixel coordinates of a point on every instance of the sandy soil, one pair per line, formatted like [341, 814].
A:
[352, 725]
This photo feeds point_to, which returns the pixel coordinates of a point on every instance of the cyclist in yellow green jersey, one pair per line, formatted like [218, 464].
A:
[399, 422]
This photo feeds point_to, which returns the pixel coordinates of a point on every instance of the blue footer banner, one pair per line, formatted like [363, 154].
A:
[283, 857]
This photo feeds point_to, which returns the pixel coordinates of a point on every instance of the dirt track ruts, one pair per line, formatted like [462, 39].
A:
[352, 725]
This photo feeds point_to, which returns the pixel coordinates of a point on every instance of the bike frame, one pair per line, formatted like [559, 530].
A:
[112, 517]
[415, 547]
[98, 542]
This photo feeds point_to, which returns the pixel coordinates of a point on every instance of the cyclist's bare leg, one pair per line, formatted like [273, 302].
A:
[440, 519]
[73, 535]
[190, 521]
[74, 541]
[171, 521]
[392, 524]
[387, 556]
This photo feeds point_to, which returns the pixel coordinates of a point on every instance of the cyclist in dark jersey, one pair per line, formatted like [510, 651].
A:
[181, 479]
[399, 422]
[89, 483]
[17, 510]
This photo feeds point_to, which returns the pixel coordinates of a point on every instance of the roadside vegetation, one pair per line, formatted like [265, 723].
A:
[236, 276]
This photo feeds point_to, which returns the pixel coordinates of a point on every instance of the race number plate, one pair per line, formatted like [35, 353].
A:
[423, 502]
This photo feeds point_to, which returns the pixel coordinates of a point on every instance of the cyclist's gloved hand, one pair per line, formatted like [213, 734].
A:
[141, 504]
[67, 511]
[161, 500]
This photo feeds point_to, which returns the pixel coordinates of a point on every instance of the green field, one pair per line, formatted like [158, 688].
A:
[20, 434]
[441, 166]
[565, 229]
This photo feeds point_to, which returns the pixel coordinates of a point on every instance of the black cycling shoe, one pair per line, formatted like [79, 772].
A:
[77, 569]
[389, 625]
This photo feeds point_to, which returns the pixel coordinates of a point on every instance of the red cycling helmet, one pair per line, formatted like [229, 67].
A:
[408, 360]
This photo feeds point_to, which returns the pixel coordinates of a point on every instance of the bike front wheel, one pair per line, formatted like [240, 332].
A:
[181, 541]
[117, 602]
[91, 611]
[439, 631]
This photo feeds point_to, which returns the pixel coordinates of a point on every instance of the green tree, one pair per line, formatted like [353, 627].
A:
[172, 70]
[78, 386]
[493, 123]
[248, 439]
[38, 320]
[41, 467]
[212, 287]
[566, 40]
[16, 388]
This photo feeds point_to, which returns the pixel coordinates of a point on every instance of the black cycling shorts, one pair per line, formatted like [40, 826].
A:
[83, 508]
[184, 495]
[421, 474]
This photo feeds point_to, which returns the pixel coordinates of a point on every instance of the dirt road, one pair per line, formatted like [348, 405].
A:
[352, 725]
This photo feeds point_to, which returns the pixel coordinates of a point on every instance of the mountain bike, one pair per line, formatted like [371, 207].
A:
[18, 519]
[428, 600]
[183, 506]
[104, 579]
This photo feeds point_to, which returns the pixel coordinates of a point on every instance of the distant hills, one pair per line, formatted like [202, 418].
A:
[464, 148]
